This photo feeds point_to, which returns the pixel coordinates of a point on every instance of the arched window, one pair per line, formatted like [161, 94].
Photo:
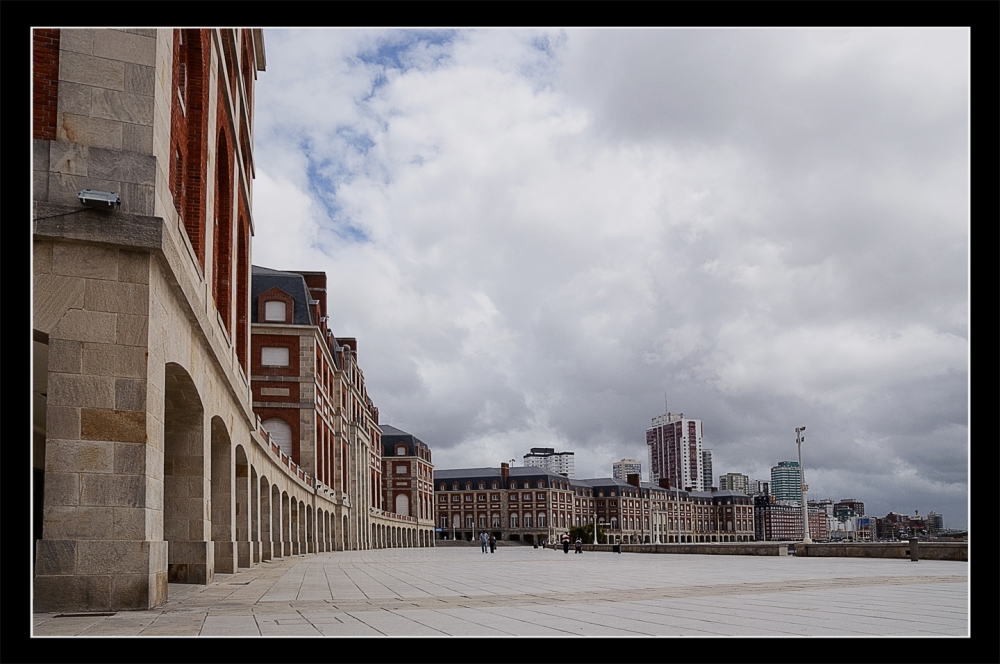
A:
[281, 434]
[403, 504]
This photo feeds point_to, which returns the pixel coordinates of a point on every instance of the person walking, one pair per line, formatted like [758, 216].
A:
[483, 539]
[493, 544]
[565, 542]
[579, 545]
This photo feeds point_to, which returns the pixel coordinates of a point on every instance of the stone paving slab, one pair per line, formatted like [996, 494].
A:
[532, 592]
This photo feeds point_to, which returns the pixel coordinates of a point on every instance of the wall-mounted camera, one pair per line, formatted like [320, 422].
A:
[104, 200]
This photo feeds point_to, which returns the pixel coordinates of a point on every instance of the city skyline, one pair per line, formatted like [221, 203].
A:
[539, 233]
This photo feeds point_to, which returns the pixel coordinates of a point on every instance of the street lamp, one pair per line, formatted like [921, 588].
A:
[804, 487]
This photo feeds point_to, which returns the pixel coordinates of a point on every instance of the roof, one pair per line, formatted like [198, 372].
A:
[264, 279]
[391, 437]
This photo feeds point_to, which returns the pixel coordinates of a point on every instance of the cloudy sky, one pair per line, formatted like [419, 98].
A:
[539, 236]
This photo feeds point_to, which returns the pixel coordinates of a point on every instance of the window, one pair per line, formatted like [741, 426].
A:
[494, 497]
[275, 311]
[527, 521]
[454, 487]
[482, 520]
[527, 485]
[513, 485]
[468, 486]
[540, 496]
[482, 485]
[468, 521]
[444, 487]
[513, 521]
[496, 520]
[495, 486]
[455, 498]
[274, 357]
[281, 434]
[513, 496]
[541, 520]
[541, 484]
[400, 470]
[442, 499]
[444, 520]
[401, 450]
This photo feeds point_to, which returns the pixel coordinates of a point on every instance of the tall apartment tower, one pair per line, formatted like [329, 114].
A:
[560, 463]
[706, 467]
[786, 482]
[675, 452]
[620, 470]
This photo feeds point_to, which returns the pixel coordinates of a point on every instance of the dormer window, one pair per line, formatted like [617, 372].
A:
[275, 311]
[401, 450]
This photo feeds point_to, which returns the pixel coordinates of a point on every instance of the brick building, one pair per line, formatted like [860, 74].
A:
[150, 464]
[529, 504]
[408, 481]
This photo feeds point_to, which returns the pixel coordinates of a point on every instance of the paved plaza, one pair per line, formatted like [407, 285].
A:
[521, 591]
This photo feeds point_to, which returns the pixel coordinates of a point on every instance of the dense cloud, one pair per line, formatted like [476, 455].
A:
[536, 235]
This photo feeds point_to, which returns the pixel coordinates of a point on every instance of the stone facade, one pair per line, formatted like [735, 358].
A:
[151, 465]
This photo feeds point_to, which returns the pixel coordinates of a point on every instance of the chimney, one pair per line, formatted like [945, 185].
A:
[504, 472]
[664, 482]
[633, 479]
[714, 489]
[688, 489]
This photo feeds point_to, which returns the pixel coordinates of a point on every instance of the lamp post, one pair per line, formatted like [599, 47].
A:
[802, 479]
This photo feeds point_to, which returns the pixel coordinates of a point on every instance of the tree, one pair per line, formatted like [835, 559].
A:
[586, 534]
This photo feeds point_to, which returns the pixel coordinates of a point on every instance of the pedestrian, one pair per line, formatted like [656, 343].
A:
[483, 539]
[579, 545]
[493, 544]
[565, 542]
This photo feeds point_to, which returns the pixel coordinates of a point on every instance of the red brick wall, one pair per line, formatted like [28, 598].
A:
[243, 289]
[275, 340]
[188, 133]
[293, 391]
[45, 83]
[223, 247]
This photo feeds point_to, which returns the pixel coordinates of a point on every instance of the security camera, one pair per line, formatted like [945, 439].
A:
[104, 200]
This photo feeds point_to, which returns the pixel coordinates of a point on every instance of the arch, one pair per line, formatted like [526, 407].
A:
[244, 553]
[254, 516]
[265, 519]
[286, 524]
[281, 434]
[293, 522]
[310, 530]
[222, 498]
[277, 532]
[185, 486]
[303, 528]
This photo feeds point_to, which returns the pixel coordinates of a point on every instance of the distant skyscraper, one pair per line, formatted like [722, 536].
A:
[675, 451]
[620, 470]
[786, 482]
[706, 470]
[547, 458]
[735, 482]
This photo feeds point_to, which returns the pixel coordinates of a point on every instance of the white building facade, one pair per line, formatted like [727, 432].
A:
[675, 453]
[560, 463]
